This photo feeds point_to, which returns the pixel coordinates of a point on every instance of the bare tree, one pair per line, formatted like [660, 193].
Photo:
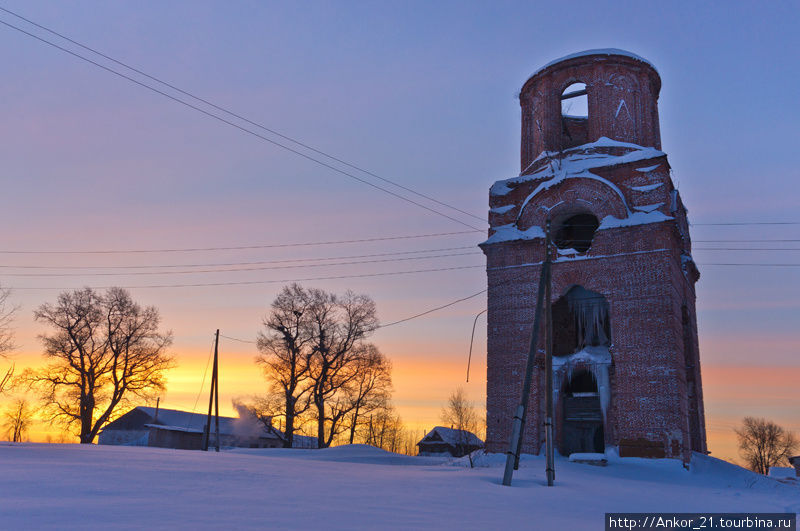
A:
[314, 354]
[338, 328]
[103, 348]
[764, 444]
[460, 414]
[6, 336]
[284, 354]
[18, 419]
[409, 443]
[370, 390]
[384, 429]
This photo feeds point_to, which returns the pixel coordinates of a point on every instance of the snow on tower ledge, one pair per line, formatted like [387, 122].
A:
[510, 197]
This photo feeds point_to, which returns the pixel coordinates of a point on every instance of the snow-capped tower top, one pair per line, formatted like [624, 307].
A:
[620, 101]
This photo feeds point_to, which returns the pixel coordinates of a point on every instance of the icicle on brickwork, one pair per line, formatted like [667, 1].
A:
[594, 359]
[590, 312]
[591, 317]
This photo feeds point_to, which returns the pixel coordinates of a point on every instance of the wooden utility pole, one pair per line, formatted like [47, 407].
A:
[216, 386]
[518, 423]
[213, 398]
[548, 368]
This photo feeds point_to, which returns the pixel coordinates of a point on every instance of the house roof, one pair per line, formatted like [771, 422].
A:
[451, 436]
[143, 417]
[183, 429]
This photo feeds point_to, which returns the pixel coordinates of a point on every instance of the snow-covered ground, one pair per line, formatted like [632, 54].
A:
[352, 487]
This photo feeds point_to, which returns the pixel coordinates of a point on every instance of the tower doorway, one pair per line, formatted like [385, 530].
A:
[582, 422]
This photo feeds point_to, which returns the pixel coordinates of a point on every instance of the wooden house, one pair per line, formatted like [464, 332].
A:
[449, 441]
[169, 428]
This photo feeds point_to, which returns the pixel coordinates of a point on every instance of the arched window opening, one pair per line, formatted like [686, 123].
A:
[576, 232]
[574, 116]
[574, 101]
[580, 320]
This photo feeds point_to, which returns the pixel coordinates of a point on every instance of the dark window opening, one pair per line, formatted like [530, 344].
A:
[582, 383]
[576, 232]
[580, 320]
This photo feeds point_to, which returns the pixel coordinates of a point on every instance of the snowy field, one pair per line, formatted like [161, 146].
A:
[352, 487]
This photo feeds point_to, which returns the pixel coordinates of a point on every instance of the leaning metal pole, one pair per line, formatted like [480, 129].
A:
[518, 424]
[548, 368]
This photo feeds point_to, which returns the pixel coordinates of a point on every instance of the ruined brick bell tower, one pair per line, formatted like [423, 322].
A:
[625, 353]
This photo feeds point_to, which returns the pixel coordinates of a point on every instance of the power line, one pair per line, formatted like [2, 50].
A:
[243, 247]
[276, 133]
[304, 244]
[202, 382]
[751, 264]
[597, 226]
[462, 299]
[421, 314]
[240, 117]
[258, 262]
[239, 340]
[745, 223]
[426, 312]
[746, 249]
[241, 128]
[235, 270]
[434, 309]
[745, 241]
[468, 297]
[257, 282]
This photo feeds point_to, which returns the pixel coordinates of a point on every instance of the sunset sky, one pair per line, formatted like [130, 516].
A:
[420, 93]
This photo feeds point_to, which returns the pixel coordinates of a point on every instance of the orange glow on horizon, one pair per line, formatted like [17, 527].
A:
[423, 381]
